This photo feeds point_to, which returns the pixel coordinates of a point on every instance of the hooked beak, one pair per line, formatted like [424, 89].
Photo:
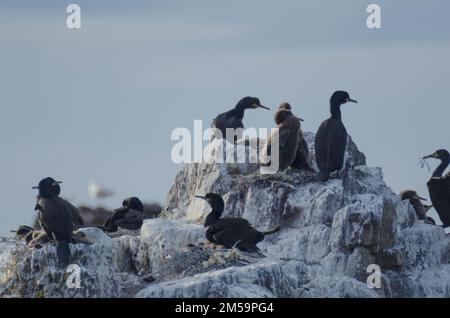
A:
[57, 182]
[352, 100]
[260, 106]
[299, 118]
[200, 197]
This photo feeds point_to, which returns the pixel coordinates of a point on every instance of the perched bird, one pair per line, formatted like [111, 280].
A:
[230, 232]
[55, 218]
[233, 118]
[439, 186]
[130, 216]
[331, 138]
[301, 161]
[419, 207]
[288, 139]
[77, 220]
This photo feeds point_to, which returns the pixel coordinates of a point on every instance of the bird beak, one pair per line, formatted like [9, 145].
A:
[261, 106]
[428, 157]
[36, 187]
[421, 198]
[200, 197]
[299, 118]
[57, 182]
[352, 100]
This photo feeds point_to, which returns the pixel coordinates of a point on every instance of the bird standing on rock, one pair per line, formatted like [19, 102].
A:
[230, 232]
[301, 161]
[439, 186]
[233, 118]
[77, 219]
[331, 138]
[55, 218]
[419, 207]
[285, 139]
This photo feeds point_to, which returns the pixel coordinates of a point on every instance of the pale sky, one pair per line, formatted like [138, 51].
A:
[100, 103]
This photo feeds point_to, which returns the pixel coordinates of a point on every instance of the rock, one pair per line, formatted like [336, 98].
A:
[330, 233]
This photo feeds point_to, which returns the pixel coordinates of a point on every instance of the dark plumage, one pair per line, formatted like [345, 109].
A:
[288, 139]
[230, 232]
[130, 216]
[331, 138]
[55, 218]
[301, 160]
[419, 207]
[233, 118]
[77, 220]
[439, 186]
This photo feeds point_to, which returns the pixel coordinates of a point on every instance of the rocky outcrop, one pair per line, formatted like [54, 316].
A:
[330, 233]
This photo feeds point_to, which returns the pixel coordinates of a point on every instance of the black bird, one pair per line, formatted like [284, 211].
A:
[230, 232]
[130, 216]
[55, 218]
[331, 138]
[77, 220]
[419, 207]
[439, 186]
[301, 161]
[233, 118]
[288, 139]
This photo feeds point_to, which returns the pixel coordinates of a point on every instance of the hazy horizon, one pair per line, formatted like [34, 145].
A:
[100, 103]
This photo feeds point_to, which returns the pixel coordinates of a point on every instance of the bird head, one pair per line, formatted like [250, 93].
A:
[411, 195]
[341, 97]
[133, 203]
[250, 103]
[215, 201]
[440, 154]
[48, 186]
[284, 106]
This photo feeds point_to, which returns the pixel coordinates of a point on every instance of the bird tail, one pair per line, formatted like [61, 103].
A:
[323, 176]
[274, 229]
[63, 252]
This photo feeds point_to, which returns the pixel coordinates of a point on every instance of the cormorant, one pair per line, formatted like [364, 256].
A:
[233, 118]
[302, 157]
[55, 218]
[419, 207]
[331, 138]
[130, 216]
[230, 232]
[56, 190]
[288, 138]
[439, 186]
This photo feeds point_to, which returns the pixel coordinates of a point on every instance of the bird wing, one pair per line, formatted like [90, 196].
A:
[230, 231]
[76, 216]
[321, 145]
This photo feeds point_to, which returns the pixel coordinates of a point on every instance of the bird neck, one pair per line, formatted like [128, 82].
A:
[238, 111]
[211, 218]
[335, 110]
[441, 168]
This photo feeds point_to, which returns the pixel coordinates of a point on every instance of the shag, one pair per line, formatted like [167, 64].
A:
[230, 232]
[419, 207]
[55, 218]
[439, 186]
[331, 138]
[233, 118]
[130, 216]
[301, 161]
[77, 220]
[288, 139]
